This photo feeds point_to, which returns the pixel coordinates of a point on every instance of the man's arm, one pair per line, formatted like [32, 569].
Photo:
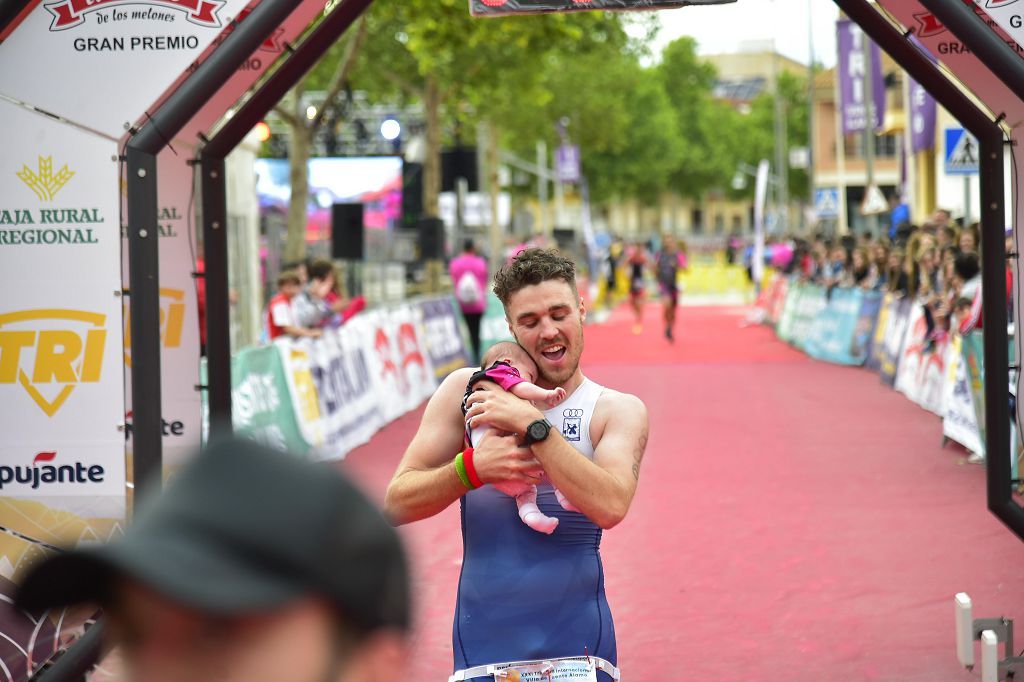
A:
[426, 482]
[601, 489]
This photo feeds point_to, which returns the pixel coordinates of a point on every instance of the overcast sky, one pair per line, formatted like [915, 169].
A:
[723, 28]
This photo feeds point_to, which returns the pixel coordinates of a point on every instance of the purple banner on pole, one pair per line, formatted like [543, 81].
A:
[854, 50]
[567, 163]
[922, 118]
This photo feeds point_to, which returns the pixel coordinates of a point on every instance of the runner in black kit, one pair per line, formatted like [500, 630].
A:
[669, 261]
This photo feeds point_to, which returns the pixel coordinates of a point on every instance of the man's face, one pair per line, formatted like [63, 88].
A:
[160, 640]
[547, 321]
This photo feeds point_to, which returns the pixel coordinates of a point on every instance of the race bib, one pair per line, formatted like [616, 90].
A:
[554, 671]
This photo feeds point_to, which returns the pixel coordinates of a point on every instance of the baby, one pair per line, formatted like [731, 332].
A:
[512, 368]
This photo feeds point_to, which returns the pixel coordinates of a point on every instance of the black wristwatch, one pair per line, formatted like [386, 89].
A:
[537, 431]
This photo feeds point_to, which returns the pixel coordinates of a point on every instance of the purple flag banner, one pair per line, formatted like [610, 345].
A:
[922, 118]
[854, 49]
[567, 163]
[501, 7]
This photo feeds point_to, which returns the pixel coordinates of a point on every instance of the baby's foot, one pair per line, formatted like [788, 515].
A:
[540, 523]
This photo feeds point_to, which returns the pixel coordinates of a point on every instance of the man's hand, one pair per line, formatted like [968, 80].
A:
[499, 459]
[501, 410]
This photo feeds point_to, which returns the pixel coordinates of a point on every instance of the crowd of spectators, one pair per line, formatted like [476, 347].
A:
[937, 264]
[309, 299]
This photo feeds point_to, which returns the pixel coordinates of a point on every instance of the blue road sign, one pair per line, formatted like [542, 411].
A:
[961, 152]
[826, 202]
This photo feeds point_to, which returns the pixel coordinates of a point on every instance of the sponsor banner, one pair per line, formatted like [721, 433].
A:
[69, 50]
[921, 370]
[895, 332]
[887, 308]
[930, 33]
[831, 334]
[855, 49]
[402, 369]
[179, 316]
[304, 399]
[959, 422]
[349, 399]
[778, 301]
[261, 403]
[867, 320]
[493, 325]
[784, 327]
[972, 352]
[491, 8]
[442, 329]
[809, 305]
[61, 378]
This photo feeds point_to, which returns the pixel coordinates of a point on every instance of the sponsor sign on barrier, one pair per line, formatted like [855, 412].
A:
[324, 397]
[442, 330]
[493, 325]
[921, 372]
[886, 308]
[867, 318]
[831, 334]
[261, 404]
[959, 422]
[892, 340]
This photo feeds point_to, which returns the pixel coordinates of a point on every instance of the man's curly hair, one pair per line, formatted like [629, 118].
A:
[530, 267]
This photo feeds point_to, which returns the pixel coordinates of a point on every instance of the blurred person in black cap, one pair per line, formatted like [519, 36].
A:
[254, 565]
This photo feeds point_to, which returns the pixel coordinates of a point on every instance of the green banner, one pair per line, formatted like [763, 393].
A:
[493, 326]
[261, 407]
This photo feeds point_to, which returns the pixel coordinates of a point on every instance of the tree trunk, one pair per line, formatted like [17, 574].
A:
[298, 157]
[432, 163]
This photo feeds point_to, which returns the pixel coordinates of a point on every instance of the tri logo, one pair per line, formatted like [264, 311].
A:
[50, 351]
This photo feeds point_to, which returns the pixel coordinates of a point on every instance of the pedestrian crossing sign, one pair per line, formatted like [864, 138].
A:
[961, 152]
[826, 202]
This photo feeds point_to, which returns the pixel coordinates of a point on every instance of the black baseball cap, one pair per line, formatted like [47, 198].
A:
[242, 529]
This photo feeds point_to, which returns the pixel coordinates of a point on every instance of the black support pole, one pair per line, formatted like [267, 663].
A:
[211, 157]
[990, 141]
[218, 339]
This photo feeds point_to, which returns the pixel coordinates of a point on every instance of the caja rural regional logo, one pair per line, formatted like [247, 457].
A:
[50, 351]
[69, 13]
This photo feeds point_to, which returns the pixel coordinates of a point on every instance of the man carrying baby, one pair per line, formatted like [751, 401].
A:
[527, 597]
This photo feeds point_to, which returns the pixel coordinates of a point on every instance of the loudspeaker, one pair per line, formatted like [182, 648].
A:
[431, 238]
[459, 163]
[347, 231]
[412, 193]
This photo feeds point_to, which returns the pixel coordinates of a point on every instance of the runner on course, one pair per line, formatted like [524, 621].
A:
[525, 596]
[669, 261]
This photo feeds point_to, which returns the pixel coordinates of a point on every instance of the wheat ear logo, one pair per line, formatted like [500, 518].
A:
[42, 181]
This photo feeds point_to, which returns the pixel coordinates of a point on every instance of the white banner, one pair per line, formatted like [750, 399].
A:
[61, 378]
[921, 371]
[959, 422]
[104, 63]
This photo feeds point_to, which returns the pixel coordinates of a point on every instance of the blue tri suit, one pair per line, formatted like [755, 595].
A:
[524, 595]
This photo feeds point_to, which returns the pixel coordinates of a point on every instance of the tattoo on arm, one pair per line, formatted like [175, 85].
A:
[638, 455]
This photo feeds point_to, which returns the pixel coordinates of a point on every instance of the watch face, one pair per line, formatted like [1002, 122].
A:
[538, 430]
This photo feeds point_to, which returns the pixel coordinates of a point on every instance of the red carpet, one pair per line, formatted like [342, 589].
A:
[795, 520]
